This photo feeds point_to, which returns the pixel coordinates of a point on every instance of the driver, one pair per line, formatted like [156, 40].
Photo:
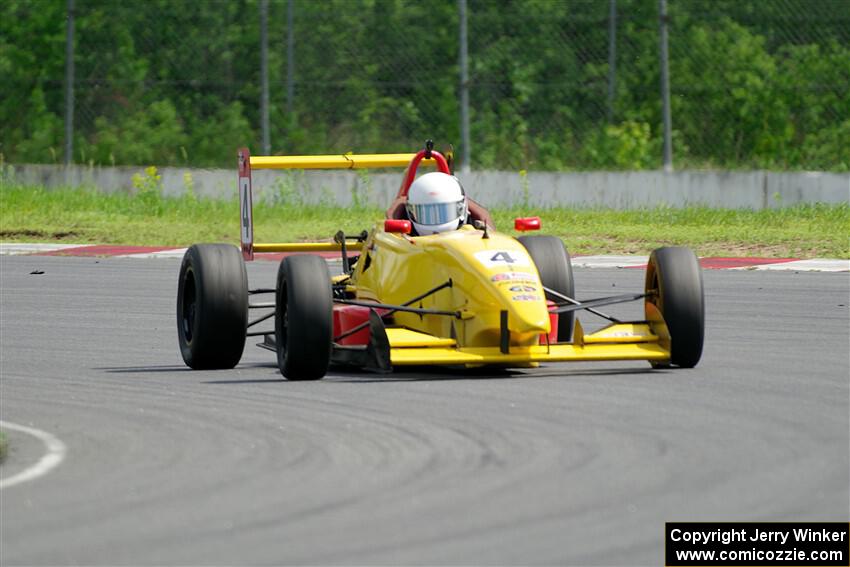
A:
[436, 203]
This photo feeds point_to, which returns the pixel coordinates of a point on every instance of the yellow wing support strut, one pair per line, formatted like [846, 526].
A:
[310, 247]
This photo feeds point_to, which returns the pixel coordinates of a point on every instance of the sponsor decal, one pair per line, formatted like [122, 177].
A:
[493, 258]
[523, 288]
[509, 277]
[527, 297]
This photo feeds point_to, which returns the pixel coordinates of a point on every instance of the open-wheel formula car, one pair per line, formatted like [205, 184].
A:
[468, 297]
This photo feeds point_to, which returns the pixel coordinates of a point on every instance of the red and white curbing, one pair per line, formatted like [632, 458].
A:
[787, 264]
[720, 263]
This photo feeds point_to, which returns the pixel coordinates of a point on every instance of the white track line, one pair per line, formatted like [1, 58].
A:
[817, 265]
[56, 451]
[15, 248]
[610, 261]
[169, 253]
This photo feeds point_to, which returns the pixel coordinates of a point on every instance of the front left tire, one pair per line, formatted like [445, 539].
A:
[675, 302]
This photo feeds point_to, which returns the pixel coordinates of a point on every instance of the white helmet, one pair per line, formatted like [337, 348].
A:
[436, 203]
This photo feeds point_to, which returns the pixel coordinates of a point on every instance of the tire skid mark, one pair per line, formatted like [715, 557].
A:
[648, 446]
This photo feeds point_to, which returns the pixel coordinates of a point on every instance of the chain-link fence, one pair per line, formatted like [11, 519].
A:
[571, 84]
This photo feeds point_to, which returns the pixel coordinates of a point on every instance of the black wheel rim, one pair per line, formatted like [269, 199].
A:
[284, 319]
[189, 305]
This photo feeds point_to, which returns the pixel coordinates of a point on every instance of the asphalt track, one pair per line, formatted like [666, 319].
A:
[568, 464]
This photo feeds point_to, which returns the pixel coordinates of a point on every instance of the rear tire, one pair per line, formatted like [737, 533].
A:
[303, 318]
[212, 306]
[675, 298]
[556, 272]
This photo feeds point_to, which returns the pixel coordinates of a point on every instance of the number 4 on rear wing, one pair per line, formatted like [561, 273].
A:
[246, 234]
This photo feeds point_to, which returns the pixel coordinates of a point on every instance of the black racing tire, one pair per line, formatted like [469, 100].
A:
[212, 306]
[675, 292]
[303, 318]
[556, 272]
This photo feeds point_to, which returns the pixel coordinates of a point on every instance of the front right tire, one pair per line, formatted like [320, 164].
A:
[556, 272]
[303, 317]
[212, 306]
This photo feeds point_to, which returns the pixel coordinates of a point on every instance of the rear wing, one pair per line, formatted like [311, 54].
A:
[247, 162]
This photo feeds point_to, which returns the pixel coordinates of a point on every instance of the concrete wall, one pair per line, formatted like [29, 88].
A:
[620, 190]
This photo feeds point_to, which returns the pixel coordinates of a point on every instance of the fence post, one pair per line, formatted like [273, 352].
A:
[290, 59]
[264, 75]
[665, 87]
[612, 57]
[69, 84]
[465, 164]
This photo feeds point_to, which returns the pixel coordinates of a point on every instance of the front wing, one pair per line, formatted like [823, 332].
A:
[398, 346]
[620, 341]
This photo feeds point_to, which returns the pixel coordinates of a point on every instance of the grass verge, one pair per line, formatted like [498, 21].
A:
[4, 446]
[35, 214]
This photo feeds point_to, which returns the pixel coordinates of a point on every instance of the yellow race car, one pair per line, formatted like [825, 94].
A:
[464, 298]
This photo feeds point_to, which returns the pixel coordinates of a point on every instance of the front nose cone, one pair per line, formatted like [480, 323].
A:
[527, 322]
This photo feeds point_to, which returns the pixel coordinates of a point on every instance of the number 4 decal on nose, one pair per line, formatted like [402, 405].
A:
[492, 258]
[502, 257]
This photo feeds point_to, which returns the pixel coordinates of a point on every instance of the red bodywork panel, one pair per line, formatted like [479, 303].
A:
[347, 317]
[553, 325]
